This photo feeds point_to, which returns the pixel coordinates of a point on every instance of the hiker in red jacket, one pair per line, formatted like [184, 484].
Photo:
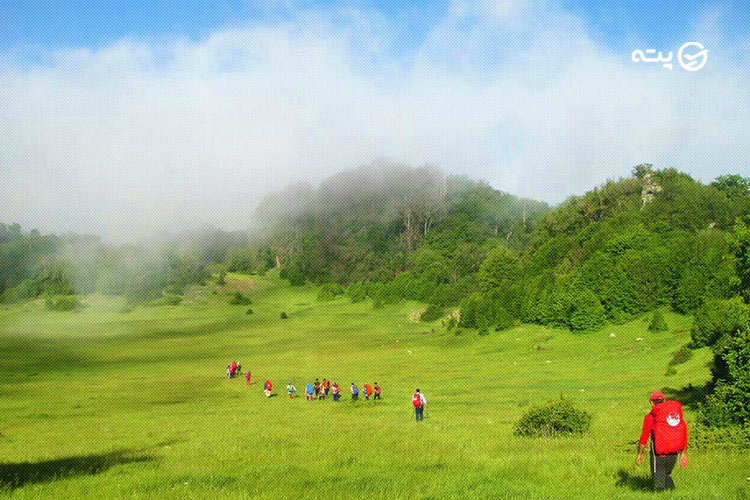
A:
[666, 428]
[267, 388]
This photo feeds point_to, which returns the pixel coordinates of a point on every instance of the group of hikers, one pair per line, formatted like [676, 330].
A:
[234, 369]
[320, 390]
[664, 426]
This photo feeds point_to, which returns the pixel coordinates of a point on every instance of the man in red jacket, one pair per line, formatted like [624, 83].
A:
[666, 428]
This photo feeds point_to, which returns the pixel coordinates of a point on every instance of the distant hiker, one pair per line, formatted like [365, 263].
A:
[238, 369]
[229, 371]
[377, 392]
[419, 403]
[335, 391]
[326, 386]
[247, 378]
[355, 392]
[233, 368]
[267, 388]
[290, 389]
[309, 391]
[316, 386]
[368, 391]
[666, 428]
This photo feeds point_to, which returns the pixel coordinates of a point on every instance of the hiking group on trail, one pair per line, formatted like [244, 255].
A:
[315, 390]
[664, 426]
[234, 369]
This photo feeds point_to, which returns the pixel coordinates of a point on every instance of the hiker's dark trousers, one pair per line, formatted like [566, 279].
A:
[661, 470]
[420, 412]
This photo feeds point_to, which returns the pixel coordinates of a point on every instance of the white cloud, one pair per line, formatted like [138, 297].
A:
[144, 135]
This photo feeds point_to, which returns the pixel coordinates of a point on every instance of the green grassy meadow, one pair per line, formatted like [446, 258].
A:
[102, 404]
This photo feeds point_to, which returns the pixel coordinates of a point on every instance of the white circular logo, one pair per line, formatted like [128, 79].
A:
[673, 419]
[692, 61]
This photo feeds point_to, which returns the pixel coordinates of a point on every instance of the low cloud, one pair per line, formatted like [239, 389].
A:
[149, 135]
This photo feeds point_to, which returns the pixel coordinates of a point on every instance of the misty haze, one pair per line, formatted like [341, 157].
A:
[433, 250]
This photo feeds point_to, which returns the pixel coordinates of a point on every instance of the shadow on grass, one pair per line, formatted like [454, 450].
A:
[15, 475]
[690, 396]
[636, 483]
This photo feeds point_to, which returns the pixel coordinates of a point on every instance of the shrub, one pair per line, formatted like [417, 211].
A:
[249, 311]
[730, 402]
[733, 436]
[294, 275]
[238, 299]
[680, 356]
[717, 318]
[658, 323]
[63, 303]
[357, 292]
[432, 313]
[27, 289]
[166, 300]
[283, 315]
[503, 320]
[587, 313]
[561, 417]
[330, 291]
[220, 279]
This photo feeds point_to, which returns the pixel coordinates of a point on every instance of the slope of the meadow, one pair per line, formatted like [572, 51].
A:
[106, 404]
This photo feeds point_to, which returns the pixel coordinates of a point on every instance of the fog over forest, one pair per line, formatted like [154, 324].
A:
[141, 135]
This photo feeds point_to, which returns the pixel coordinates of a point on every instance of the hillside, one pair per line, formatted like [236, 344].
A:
[145, 395]
[655, 239]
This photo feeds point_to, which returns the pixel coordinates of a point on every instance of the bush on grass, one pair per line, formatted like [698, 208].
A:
[238, 299]
[554, 418]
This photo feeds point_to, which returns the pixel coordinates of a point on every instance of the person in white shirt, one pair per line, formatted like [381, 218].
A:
[419, 402]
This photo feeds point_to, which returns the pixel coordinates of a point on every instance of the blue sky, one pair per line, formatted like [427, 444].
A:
[45, 24]
[115, 118]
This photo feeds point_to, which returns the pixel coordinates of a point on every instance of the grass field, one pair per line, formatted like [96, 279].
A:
[103, 404]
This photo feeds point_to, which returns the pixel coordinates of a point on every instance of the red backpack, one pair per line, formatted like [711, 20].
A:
[670, 429]
[416, 400]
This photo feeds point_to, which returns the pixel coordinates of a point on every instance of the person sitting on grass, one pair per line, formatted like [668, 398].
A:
[290, 389]
[355, 392]
[377, 392]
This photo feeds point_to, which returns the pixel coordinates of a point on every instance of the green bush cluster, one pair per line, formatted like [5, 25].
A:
[658, 323]
[239, 299]
[167, 299]
[728, 437]
[329, 291]
[554, 418]
[432, 313]
[357, 292]
[62, 303]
